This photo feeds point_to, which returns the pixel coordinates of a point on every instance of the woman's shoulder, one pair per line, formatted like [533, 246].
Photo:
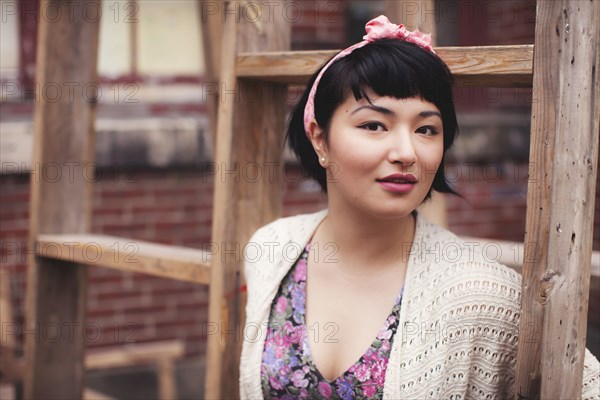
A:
[288, 228]
[277, 242]
[454, 280]
[444, 251]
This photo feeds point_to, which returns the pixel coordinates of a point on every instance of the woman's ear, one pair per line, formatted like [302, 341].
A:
[316, 136]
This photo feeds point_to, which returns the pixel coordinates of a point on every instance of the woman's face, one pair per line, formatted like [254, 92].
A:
[382, 156]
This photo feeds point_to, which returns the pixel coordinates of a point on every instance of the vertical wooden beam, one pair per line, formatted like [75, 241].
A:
[248, 182]
[9, 366]
[223, 191]
[413, 14]
[61, 195]
[134, 38]
[212, 34]
[167, 384]
[212, 30]
[560, 206]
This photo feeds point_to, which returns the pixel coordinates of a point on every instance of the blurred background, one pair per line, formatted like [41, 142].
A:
[154, 149]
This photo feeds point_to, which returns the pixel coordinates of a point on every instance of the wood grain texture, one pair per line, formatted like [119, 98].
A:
[135, 353]
[412, 14]
[250, 132]
[502, 66]
[61, 199]
[560, 206]
[512, 254]
[167, 384]
[6, 314]
[212, 32]
[89, 394]
[173, 262]
[221, 203]
[11, 369]
[162, 354]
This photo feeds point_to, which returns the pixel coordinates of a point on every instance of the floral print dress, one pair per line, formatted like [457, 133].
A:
[287, 369]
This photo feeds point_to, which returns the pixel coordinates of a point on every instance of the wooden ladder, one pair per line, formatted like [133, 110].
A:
[254, 60]
[60, 222]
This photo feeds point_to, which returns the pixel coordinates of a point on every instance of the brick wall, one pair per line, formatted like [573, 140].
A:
[318, 24]
[170, 207]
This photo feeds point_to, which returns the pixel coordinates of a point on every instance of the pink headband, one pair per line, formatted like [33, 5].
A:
[377, 28]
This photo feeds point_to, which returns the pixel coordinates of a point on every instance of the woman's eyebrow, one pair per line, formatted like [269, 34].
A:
[382, 110]
[387, 111]
[427, 114]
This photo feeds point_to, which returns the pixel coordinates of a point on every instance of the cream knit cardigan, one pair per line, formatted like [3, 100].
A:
[459, 320]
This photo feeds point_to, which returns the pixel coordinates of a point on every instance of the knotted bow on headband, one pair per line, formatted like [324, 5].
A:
[377, 28]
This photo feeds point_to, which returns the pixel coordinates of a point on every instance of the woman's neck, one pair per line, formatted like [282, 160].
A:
[362, 242]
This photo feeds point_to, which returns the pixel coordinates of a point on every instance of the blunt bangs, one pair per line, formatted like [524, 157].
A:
[391, 68]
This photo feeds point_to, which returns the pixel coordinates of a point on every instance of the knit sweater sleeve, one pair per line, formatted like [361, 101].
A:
[461, 326]
[591, 382]
[494, 331]
[495, 342]
[254, 254]
[265, 264]
[460, 323]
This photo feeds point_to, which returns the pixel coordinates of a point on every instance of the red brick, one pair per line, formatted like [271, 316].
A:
[123, 194]
[16, 197]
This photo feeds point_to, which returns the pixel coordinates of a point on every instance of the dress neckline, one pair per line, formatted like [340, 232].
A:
[305, 342]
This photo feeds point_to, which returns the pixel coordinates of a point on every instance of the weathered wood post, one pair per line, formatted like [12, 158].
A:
[61, 195]
[249, 140]
[560, 200]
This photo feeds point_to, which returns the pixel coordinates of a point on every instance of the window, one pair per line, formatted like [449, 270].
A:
[140, 39]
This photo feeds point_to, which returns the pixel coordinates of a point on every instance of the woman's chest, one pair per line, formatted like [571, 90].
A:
[344, 321]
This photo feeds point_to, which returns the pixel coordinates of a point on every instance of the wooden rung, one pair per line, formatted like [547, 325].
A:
[6, 315]
[135, 353]
[90, 394]
[511, 254]
[502, 66]
[173, 262]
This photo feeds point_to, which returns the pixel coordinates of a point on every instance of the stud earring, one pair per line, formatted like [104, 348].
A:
[322, 160]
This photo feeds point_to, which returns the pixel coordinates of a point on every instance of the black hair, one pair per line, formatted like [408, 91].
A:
[389, 67]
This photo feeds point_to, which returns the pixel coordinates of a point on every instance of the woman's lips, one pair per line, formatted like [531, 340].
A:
[398, 183]
[403, 187]
[399, 178]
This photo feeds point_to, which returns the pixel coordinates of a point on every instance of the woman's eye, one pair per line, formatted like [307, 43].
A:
[373, 126]
[427, 130]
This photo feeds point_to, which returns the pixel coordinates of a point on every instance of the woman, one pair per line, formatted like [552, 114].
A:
[367, 299]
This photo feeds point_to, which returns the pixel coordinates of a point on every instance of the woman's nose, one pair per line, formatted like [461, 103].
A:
[402, 149]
